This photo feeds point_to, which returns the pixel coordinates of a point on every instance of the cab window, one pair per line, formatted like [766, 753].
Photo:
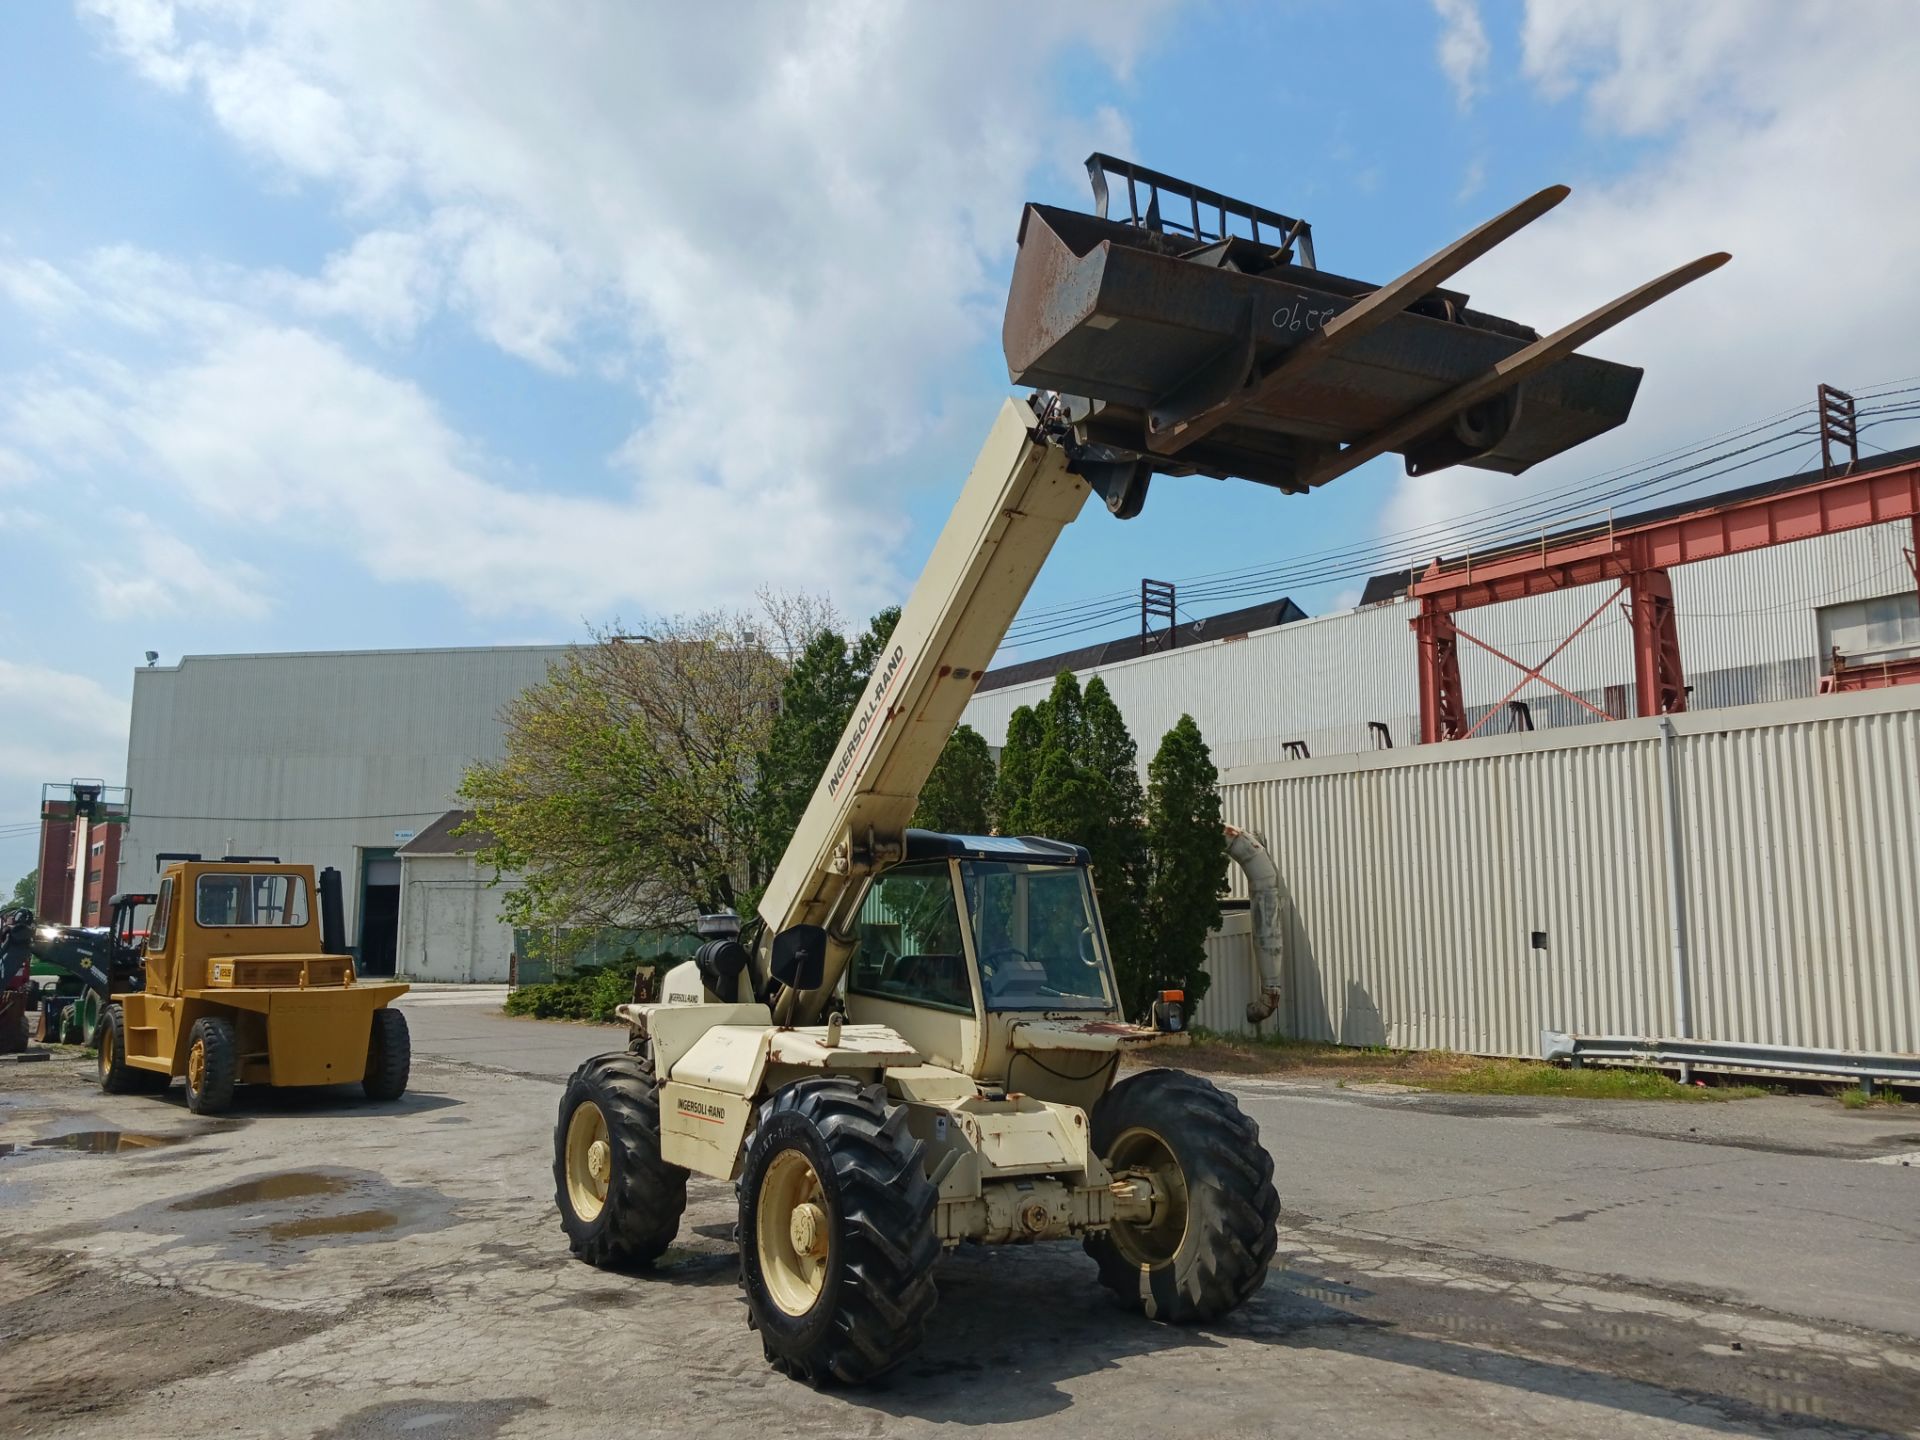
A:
[228, 901]
[162, 913]
[909, 947]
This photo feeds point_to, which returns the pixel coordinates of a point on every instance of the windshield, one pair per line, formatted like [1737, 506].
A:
[1035, 933]
[221, 901]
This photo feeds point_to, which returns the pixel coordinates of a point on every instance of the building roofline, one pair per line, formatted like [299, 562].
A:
[345, 654]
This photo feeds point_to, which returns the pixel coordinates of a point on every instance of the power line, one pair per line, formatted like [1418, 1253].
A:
[1542, 501]
[1769, 439]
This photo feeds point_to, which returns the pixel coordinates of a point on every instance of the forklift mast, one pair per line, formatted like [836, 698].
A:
[1193, 335]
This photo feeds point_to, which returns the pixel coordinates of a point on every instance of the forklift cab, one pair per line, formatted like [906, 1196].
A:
[978, 924]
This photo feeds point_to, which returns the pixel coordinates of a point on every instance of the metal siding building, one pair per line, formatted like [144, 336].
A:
[1417, 882]
[1749, 632]
[328, 758]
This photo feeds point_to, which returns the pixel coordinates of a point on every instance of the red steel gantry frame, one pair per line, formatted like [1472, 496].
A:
[1635, 559]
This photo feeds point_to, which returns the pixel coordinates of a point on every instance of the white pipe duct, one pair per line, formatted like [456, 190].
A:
[1249, 852]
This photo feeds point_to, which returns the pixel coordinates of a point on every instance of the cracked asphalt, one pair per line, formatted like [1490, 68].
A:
[1449, 1266]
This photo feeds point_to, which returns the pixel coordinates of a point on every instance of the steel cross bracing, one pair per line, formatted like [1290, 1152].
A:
[1636, 558]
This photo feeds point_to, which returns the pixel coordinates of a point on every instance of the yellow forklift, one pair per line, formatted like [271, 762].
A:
[245, 980]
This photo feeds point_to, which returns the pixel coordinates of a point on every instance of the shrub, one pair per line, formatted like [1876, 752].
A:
[590, 993]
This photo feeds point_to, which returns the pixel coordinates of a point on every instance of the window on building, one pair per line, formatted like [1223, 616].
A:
[1886, 627]
[223, 901]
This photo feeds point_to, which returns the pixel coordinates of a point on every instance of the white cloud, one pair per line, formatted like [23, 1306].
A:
[1463, 50]
[162, 574]
[58, 725]
[1760, 127]
[274, 431]
[783, 224]
[16, 469]
[387, 281]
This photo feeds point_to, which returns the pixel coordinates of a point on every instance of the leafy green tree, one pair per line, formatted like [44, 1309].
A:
[1019, 761]
[25, 891]
[816, 701]
[1116, 839]
[624, 793]
[1188, 851]
[959, 793]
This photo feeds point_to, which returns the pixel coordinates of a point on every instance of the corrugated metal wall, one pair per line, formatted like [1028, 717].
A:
[1416, 881]
[314, 758]
[1748, 634]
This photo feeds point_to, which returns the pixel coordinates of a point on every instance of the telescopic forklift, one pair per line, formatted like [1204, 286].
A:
[918, 1042]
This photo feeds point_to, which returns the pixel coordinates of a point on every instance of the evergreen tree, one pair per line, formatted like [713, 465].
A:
[1019, 761]
[1116, 837]
[1062, 802]
[816, 700]
[1188, 852]
[960, 791]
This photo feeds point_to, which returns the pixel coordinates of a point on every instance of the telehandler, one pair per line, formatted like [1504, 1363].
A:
[241, 980]
[919, 1041]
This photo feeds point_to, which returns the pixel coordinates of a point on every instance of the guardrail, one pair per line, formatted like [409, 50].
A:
[1860, 1065]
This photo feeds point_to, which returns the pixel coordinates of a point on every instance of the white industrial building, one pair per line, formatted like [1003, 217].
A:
[1753, 628]
[339, 759]
[354, 759]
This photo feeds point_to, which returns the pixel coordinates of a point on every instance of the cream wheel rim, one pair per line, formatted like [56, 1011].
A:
[1154, 1242]
[106, 1049]
[589, 1160]
[792, 1232]
[197, 1065]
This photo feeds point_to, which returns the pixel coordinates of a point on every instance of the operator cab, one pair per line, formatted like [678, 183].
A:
[1015, 913]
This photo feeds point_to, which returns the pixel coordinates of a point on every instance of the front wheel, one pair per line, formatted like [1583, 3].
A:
[837, 1236]
[620, 1203]
[1210, 1236]
[213, 1065]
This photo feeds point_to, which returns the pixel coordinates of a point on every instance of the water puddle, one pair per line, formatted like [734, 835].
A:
[354, 1222]
[293, 1185]
[98, 1142]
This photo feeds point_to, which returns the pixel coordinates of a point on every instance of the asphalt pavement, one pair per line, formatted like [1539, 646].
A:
[1787, 1202]
[315, 1267]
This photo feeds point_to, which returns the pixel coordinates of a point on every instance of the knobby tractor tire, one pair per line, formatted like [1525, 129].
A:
[213, 1065]
[843, 1291]
[1208, 1247]
[621, 1206]
[117, 1077]
[389, 1056]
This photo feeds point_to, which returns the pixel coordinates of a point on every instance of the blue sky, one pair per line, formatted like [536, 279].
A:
[339, 326]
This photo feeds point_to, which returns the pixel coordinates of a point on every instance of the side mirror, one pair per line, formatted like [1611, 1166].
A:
[800, 957]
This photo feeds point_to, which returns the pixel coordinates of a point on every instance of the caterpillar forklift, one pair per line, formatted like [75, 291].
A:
[918, 1040]
[242, 980]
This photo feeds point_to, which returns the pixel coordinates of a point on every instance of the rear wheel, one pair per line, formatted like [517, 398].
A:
[117, 1077]
[213, 1065]
[837, 1237]
[389, 1056]
[620, 1203]
[1206, 1244]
